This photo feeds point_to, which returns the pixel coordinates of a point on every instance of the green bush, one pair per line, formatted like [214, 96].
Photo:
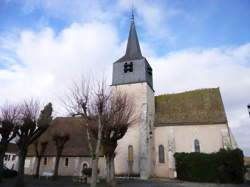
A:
[225, 166]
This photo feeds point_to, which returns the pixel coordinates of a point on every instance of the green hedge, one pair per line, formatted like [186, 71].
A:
[225, 166]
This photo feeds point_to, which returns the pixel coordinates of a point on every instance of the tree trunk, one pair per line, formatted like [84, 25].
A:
[21, 162]
[3, 148]
[94, 172]
[95, 157]
[1, 164]
[55, 176]
[110, 170]
[38, 166]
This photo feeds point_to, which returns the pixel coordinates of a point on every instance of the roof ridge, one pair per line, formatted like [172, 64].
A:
[189, 91]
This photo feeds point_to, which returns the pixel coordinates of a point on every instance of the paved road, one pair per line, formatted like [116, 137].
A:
[66, 182]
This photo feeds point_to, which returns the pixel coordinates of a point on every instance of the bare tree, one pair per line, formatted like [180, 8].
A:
[40, 148]
[9, 115]
[89, 102]
[30, 128]
[119, 116]
[60, 140]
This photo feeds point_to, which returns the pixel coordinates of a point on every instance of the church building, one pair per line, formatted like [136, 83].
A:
[192, 121]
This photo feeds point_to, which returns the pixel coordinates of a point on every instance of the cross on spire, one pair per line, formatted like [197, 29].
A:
[132, 14]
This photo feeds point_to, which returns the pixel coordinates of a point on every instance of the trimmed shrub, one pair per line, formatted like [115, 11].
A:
[225, 166]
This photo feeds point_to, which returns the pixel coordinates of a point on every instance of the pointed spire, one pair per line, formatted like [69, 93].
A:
[133, 46]
[133, 50]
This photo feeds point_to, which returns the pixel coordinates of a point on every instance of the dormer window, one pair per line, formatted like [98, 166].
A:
[128, 67]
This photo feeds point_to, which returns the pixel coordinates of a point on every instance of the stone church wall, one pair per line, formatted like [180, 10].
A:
[140, 93]
[181, 139]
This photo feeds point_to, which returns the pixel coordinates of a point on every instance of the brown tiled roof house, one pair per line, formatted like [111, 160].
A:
[77, 144]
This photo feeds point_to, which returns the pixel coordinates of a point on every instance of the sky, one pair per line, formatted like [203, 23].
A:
[190, 44]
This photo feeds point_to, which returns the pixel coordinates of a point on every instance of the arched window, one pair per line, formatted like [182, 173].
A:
[196, 145]
[161, 154]
[85, 165]
[130, 153]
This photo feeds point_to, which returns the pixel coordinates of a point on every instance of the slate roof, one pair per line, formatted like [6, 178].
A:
[202, 106]
[77, 144]
[133, 51]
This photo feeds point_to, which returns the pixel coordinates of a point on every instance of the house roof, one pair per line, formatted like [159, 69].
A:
[203, 106]
[77, 145]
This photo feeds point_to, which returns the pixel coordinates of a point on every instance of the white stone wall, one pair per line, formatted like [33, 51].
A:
[181, 139]
[139, 135]
[74, 167]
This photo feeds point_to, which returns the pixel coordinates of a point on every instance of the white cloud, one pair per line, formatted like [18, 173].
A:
[47, 63]
[149, 14]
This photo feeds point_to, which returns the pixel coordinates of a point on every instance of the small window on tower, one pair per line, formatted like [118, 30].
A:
[130, 153]
[128, 67]
[149, 70]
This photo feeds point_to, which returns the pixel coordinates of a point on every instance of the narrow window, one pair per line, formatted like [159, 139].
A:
[66, 162]
[9, 157]
[45, 161]
[13, 157]
[196, 145]
[5, 157]
[161, 154]
[130, 153]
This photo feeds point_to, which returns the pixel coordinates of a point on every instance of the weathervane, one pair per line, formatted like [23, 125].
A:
[132, 15]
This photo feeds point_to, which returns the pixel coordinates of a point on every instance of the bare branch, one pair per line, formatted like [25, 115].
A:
[30, 127]
[9, 118]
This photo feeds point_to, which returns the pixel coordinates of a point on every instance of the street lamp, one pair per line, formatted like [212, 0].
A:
[248, 107]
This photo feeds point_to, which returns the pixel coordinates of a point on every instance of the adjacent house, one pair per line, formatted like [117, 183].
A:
[10, 157]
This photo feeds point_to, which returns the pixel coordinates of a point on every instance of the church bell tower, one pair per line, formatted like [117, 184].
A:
[132, 67]
[133, 75]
